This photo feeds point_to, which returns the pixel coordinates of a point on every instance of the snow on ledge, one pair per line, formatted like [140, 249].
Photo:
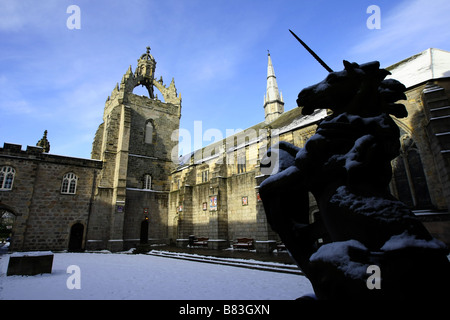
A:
[32, 254]
[406, 240]
[336, 253]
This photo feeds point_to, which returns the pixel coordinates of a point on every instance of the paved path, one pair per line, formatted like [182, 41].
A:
[281, 257]
[241, 263]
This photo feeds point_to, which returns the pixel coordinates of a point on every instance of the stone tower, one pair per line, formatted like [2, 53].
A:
[273, 99]
[136, 142]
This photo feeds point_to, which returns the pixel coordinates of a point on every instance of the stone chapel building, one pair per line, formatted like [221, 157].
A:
[132, 192]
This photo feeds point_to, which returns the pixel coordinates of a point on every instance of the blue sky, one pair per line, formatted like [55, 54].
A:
[57, 79]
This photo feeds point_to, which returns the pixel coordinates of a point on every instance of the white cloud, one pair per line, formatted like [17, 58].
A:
[28, 14]
[16, 107]
[213, 37]
[83, 105]
[11, 100]
[9, 17]
[70, 73]
[416, 25]
[217, 63]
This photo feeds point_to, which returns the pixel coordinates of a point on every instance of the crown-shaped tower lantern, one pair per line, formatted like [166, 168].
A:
[144, 75]
[145, 72]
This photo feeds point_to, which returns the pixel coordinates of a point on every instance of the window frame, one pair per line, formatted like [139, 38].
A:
[205, 176]
[150, 132]
[6, 184]
[147, 182]
[241, 163]
[69, 183]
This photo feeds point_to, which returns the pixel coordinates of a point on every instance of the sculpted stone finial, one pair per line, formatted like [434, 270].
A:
[43, 143]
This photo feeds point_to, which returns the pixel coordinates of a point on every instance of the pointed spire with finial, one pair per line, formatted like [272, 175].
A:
[43, 143]
[273, 100]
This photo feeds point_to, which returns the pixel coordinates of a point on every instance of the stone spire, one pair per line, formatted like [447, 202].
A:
[43, 143]
[273, 99]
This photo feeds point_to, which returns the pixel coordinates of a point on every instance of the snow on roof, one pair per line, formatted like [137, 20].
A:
[429, 64]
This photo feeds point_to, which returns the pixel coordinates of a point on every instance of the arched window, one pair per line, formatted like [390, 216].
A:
[69, 183]
[409, 181]
[147, 182]
[149, 132]
[7, 177]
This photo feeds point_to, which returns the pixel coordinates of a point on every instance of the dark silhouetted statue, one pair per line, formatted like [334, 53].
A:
[374, 247]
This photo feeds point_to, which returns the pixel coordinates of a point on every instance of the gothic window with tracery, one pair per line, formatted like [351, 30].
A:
[409, 182]
[69, 183]
[7, 175]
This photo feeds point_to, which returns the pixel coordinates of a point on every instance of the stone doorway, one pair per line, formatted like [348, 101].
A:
[76, 238]
[144, 232]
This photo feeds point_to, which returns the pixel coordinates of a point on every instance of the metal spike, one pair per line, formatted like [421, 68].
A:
[312, 53]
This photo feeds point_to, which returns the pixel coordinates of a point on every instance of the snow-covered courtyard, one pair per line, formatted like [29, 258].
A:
[121, 276]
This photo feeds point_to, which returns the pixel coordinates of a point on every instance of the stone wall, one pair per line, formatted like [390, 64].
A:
[422, 131]
[99, 226]
[138, 137]
[44, 215]
[249, 220]
[242, 213]
[142, 204]
[235, 183]
[165, 120]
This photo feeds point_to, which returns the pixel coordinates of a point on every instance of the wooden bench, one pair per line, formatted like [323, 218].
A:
[200, 242]
[243, 243]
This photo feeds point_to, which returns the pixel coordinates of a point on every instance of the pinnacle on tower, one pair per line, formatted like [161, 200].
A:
[43, 143]
[273, 99]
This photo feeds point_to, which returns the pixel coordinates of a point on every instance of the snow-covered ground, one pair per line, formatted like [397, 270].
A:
[126, 276]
